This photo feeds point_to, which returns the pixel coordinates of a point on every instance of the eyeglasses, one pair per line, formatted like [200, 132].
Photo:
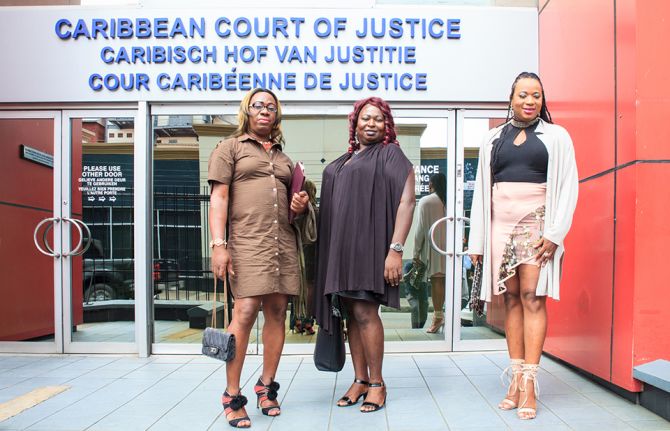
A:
[259, 106]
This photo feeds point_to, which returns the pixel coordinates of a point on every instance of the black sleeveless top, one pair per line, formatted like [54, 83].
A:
[525, 163]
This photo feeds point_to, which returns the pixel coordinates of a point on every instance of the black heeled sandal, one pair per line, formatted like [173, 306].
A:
[375, 407]
[348, 401]
[232, 404]
[264, 393]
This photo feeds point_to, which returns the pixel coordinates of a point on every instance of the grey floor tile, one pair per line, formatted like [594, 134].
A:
[632, 412]
[586, 413]
[47, 408]
[545, 418]
[554, 401]
[534, 425]
[437, 372]
[608, 399]
[478, 428]
[455, 391]
[654, 425]
[609, 425]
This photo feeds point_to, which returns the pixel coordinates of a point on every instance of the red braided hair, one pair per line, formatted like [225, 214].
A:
[389, 124]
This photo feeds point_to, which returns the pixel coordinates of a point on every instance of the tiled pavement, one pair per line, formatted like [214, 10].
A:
[425, 392]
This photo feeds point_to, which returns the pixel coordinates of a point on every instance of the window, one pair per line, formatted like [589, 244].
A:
[111, 135]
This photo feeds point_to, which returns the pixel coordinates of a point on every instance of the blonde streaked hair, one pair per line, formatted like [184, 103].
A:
[243, 116]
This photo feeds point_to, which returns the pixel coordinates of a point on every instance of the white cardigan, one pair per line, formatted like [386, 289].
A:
[561, 200]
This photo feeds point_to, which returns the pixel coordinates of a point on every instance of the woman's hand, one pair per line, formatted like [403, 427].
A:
[299, 202]
[221, 262]
[546, 250]
[475, 258]
[393, 268]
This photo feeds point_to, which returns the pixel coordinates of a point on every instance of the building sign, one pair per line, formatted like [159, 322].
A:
[36, 156]
[406, 54]
[102, 183]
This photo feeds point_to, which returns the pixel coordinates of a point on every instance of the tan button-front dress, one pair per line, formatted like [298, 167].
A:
[261, 242]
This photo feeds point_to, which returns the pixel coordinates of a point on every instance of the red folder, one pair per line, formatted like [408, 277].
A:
[297, 185]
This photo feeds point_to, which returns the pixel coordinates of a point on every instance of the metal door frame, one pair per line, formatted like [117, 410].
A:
[458, 344]
[70, 346]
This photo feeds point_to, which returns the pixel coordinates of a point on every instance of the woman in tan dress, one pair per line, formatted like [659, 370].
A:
[250, 178]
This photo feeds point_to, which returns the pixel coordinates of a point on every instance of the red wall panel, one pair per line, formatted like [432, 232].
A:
[653, 85]
[580, 323]
[624, 281]
[20, 175]
[577, 69]
[26, 197]
[625, 77]
[652, 272]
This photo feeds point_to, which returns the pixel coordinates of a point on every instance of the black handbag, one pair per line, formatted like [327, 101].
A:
[215, 343]
[329, 352]
[476, 304]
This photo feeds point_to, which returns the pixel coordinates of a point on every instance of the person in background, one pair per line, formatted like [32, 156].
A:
[250, 177]
[304, 319]
[525, 195]
[416, 293]
[430, 209]
[366, 207]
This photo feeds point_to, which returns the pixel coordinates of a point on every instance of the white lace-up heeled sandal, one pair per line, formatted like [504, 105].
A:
[529, 372]
[510, 379]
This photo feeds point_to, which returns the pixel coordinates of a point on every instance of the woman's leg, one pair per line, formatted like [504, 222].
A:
[357, 355]
[245, 312]
[534, 332]
[371, 331]
[438, 293]
[274, 333]
[514, 337]
[514, 319]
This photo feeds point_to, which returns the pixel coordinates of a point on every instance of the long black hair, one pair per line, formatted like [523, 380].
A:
[439, 183]
[544, 111]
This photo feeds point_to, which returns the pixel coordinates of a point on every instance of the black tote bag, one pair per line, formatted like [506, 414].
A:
[329, 352]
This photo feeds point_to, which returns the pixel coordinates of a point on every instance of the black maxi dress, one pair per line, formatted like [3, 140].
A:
[357, 214]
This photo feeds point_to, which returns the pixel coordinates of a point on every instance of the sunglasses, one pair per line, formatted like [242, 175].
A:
[259, 106]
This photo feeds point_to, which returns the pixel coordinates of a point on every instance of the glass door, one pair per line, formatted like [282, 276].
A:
[182, 141]
[98, 190]
[183, 290]
[31, 248]
[471, 332]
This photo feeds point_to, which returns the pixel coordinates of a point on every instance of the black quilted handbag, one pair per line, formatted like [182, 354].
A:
[215, 343]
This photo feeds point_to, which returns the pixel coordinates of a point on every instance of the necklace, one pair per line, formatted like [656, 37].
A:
[266, 143]
[524, 124]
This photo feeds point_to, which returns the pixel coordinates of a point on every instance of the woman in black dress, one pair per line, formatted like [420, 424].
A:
[366, 208]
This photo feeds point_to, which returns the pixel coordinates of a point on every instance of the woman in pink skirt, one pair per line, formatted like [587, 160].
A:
[524, 199]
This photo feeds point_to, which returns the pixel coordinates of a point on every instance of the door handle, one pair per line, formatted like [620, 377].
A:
[463, 219]
[89, 239]
[50, 251]
[74, 222]
[431, 234]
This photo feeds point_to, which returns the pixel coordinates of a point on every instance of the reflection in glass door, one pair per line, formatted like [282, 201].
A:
[183, 289]
[472, 332]
[182, 280]
[99, 204]
[30, 225]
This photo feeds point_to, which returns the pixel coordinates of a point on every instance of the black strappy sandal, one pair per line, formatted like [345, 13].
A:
[267, 392]
[232, 404]
[375, 407]
[348, 401]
